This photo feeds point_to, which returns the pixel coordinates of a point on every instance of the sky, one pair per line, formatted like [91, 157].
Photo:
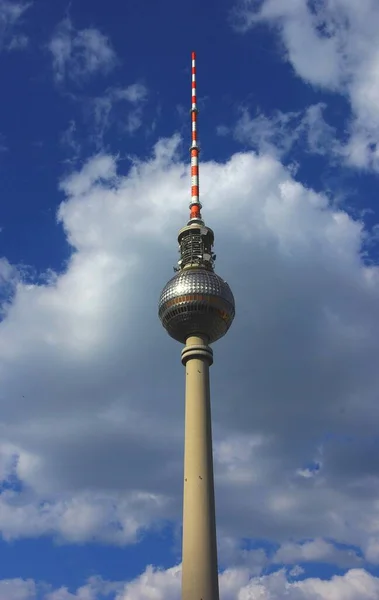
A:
[95, 184]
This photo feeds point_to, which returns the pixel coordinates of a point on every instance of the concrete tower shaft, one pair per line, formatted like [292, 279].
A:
[196, 307]
[199, 549]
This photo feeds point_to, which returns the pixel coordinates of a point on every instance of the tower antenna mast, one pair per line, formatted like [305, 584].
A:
[195, 206]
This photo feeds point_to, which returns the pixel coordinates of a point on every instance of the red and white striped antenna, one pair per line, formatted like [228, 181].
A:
[195, 206]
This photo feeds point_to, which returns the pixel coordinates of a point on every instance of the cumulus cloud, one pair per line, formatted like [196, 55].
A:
[356, 584]
[17, 589]
[94, 589]
[316, 551]
[331, 44]
[80, 54]
[92, 387]
[107, 518]
[10, 18]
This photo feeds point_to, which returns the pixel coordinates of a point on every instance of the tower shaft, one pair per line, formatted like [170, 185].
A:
[199, 550]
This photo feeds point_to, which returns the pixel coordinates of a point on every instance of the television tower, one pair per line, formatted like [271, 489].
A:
[196, 308]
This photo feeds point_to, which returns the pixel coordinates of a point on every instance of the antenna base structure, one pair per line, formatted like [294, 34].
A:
[196, 300]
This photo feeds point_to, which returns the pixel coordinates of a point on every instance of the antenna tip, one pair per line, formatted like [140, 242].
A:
[193, 55]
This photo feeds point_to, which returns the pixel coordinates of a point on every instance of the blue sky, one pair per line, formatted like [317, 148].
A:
[94, 177]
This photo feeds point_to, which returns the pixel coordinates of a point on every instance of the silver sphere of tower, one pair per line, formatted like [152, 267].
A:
[196, 301]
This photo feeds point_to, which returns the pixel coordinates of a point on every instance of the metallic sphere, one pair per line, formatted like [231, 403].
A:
[196, 301]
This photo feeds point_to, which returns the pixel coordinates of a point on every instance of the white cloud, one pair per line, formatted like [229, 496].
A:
[91, 382]
[94, 589]
[279, 133]
[296, 571]
[108, 518]
[239, 584]
[18, 42]
[11, 13]
[332, 44]
[69, 141]
[17, 589]
[134, 93]
[231, 554]
[102, 110]
[80, 54]
[356, 584]
[316, 551]
[154, 583]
